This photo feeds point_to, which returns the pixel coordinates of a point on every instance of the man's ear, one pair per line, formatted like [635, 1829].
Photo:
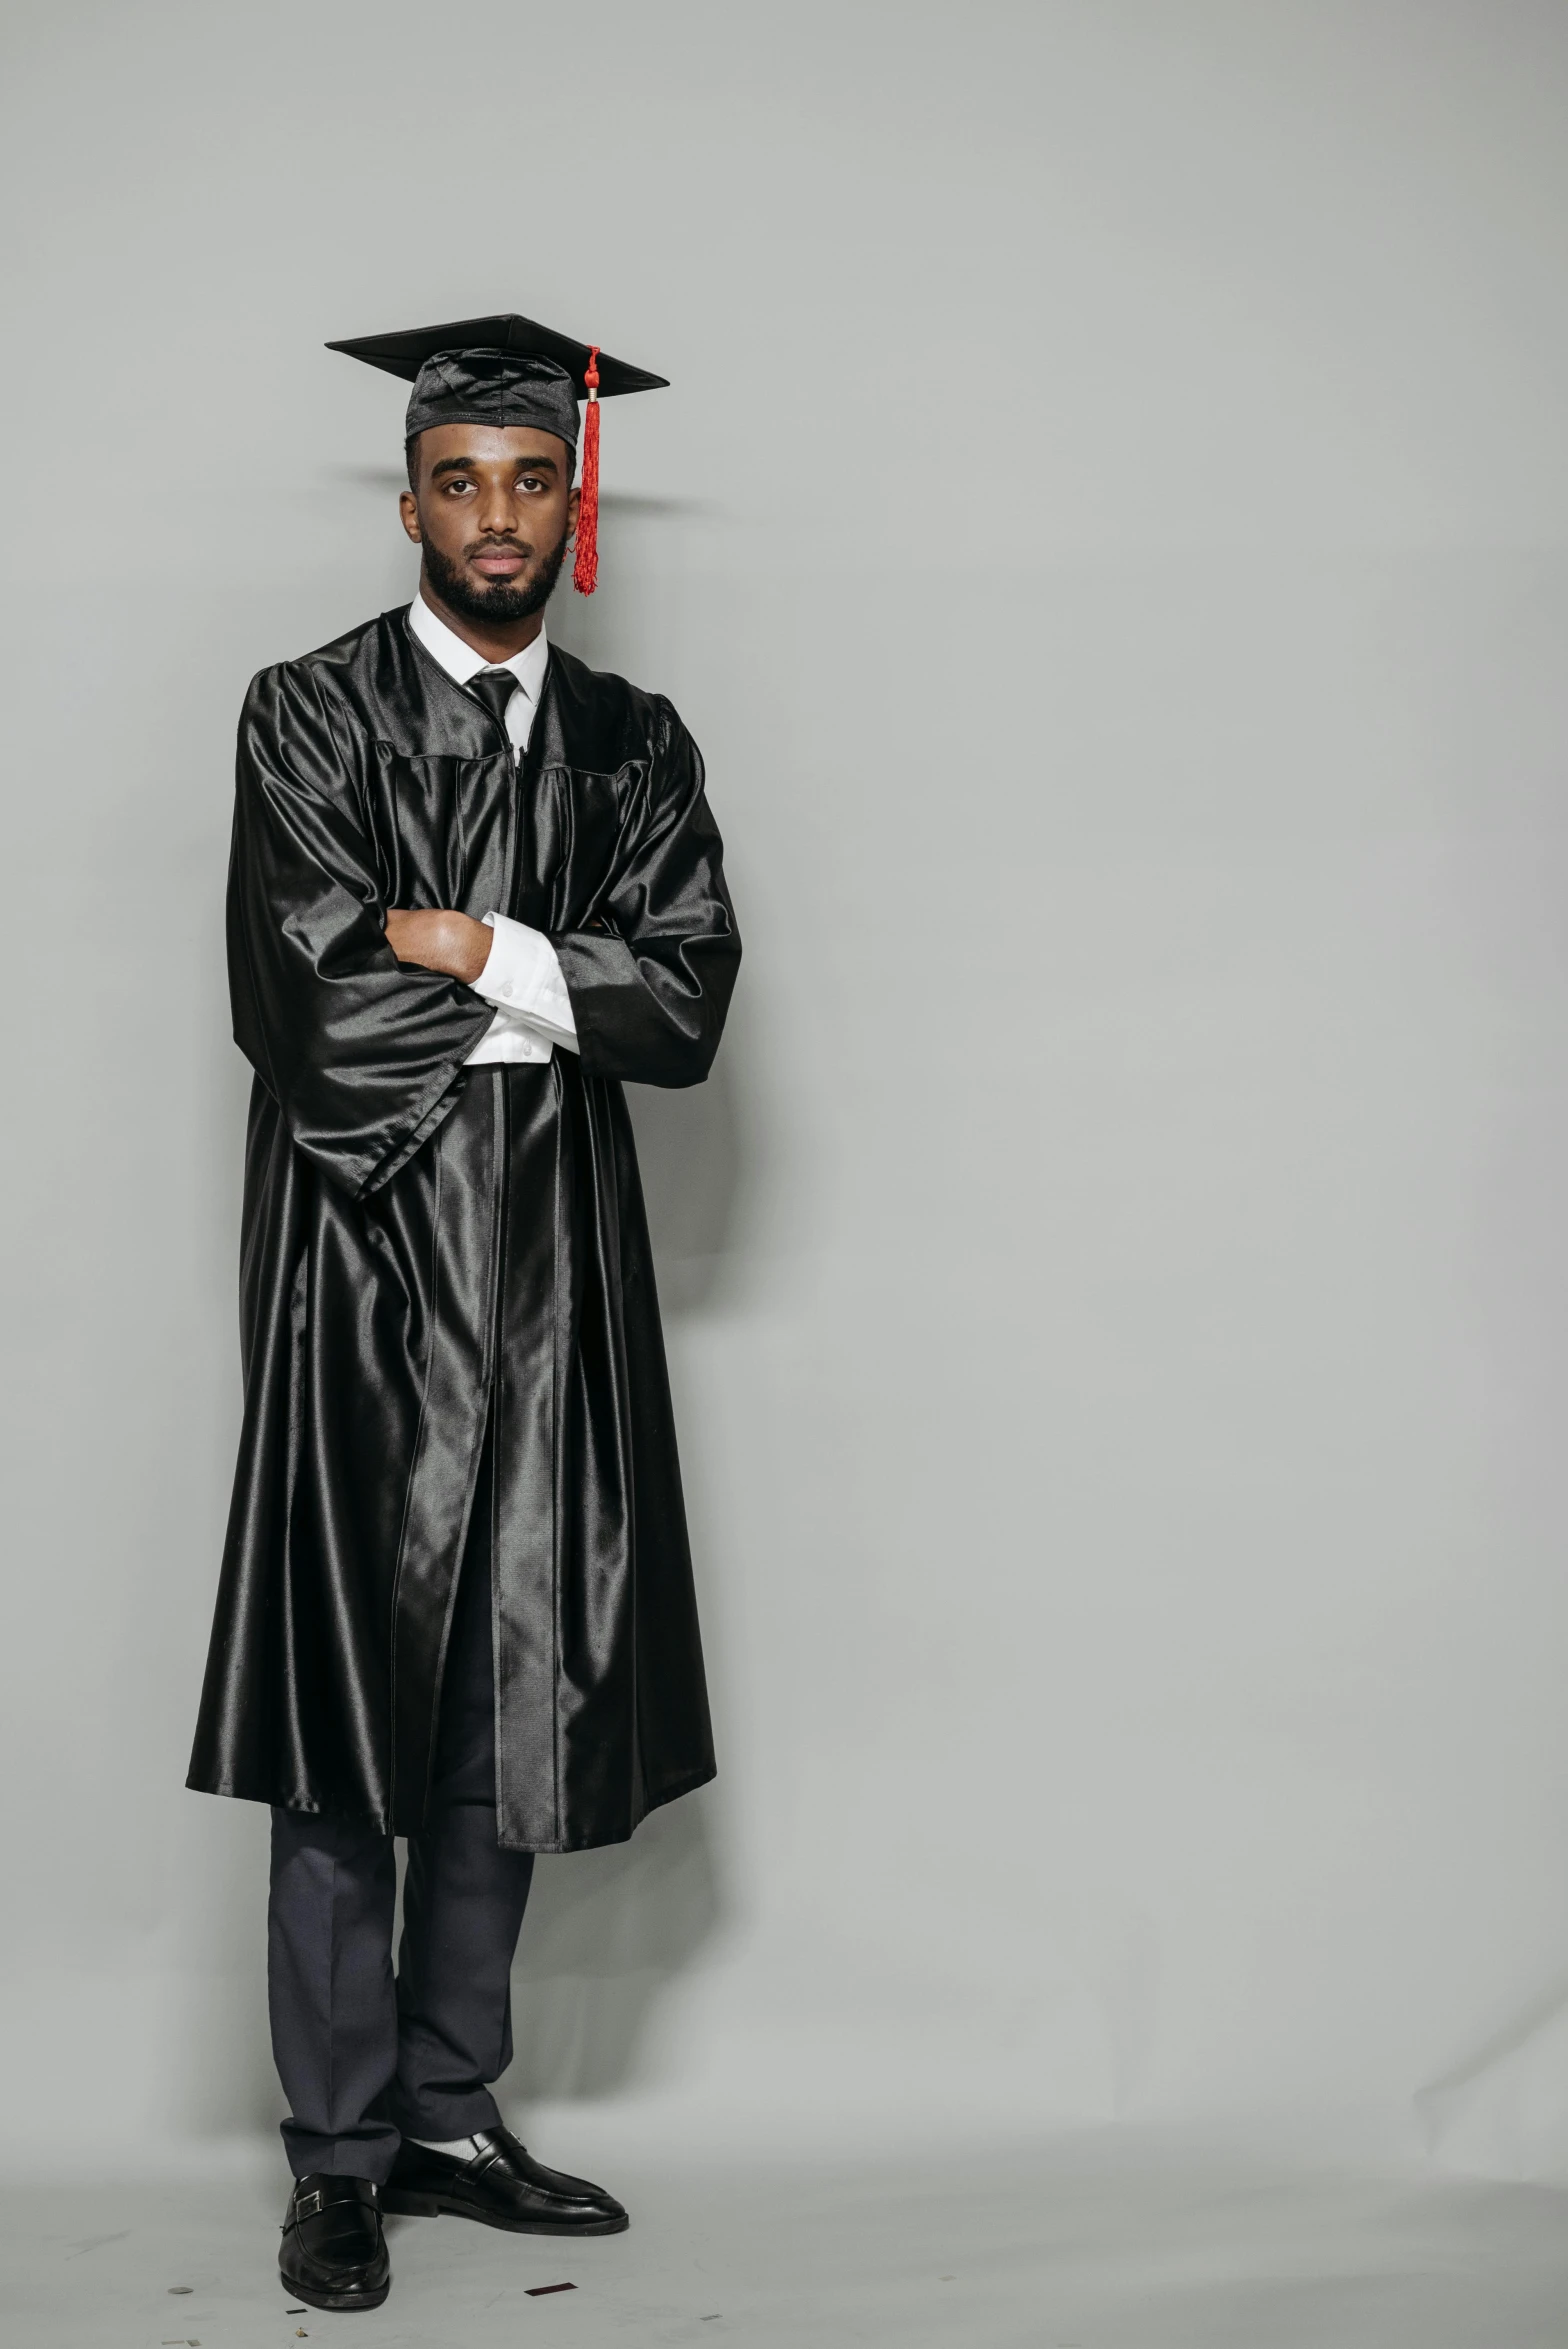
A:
[572, 504]
[409, 509]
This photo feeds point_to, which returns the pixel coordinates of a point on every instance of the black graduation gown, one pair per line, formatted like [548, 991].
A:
[424, 1244]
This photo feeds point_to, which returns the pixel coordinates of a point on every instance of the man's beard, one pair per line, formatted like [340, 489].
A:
[504, 599]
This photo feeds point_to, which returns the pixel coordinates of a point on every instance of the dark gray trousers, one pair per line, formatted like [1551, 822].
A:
[365, 2059]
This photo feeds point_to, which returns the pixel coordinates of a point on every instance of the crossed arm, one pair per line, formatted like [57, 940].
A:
[512, 967]
[440, 941]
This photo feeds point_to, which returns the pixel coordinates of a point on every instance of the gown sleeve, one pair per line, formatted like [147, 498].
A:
[650, 977]
[359, 1052]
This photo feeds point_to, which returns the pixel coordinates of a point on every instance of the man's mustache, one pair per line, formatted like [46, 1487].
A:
[496, 546]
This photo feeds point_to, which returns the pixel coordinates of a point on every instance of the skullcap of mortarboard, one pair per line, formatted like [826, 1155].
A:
[506, 370]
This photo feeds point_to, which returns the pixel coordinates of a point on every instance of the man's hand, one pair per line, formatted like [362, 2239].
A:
[448, 942]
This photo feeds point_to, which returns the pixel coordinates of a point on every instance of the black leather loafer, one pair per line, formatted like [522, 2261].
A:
[501, 2186]
[332, 2253]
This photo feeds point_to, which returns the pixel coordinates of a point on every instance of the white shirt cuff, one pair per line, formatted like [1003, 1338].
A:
[522, 977]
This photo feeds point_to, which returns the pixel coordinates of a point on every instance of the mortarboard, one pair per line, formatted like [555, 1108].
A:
[510, 370]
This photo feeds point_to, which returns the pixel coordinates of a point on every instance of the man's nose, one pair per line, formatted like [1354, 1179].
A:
[498, 514]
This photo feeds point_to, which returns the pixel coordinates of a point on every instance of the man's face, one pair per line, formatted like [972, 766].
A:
[492, 507]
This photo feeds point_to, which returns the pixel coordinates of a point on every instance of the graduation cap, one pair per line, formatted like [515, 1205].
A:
[510, 370]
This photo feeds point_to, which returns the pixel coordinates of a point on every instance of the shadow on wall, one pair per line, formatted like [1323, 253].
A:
[607, 1933]
[690, 1150]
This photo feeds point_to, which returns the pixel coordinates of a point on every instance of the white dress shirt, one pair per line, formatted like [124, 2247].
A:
[522, 976]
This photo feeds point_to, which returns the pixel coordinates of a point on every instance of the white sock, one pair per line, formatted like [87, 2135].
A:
[460, 2148]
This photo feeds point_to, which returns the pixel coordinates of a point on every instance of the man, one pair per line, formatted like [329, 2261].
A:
[475, 885]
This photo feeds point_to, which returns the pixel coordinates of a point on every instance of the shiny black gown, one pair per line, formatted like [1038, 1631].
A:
[425, 1246]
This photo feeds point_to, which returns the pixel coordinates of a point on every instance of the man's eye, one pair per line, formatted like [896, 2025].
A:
[455, 486]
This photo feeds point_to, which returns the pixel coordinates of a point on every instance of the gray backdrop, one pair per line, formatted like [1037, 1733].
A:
[1107, 533]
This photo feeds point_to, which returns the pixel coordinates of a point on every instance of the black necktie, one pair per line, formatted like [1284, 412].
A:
[495, 688]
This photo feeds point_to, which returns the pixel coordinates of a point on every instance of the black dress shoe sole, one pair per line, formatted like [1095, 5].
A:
[340, 2303]
[399, 2202]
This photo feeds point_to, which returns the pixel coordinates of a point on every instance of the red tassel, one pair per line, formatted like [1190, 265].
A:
[585, 572]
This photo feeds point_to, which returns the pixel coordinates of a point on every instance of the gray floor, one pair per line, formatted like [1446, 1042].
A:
[1098, 2244]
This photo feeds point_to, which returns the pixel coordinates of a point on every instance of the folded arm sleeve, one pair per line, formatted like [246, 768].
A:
[522, 977]
[359, 1053]
[650, 977]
